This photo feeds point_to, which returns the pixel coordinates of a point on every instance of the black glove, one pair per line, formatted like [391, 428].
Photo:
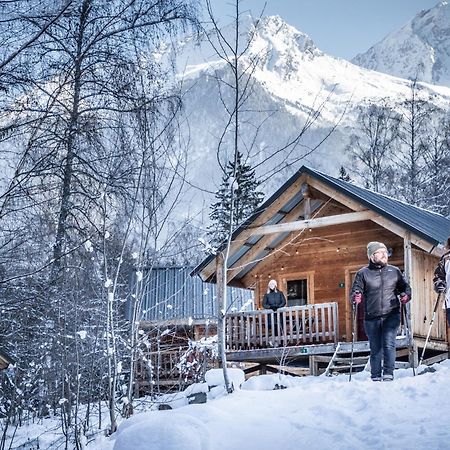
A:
[440, 286]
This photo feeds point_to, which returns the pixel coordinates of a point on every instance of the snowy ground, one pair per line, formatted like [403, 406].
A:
[311, 413]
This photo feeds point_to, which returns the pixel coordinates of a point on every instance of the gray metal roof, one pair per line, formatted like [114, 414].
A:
[171, 294]
[428, 225]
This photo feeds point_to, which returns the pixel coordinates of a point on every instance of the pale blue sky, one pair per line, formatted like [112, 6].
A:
[338, 27]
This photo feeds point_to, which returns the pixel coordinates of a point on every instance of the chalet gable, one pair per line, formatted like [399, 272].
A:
[311, 199]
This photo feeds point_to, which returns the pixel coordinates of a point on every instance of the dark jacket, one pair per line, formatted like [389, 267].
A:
[379, 287]
[274, 300]
[442, 277]
[439, 274]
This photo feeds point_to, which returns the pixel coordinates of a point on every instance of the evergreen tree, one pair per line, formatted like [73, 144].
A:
[239, 194]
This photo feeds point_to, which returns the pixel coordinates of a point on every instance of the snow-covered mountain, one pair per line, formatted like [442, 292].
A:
[419, 49]
[292, 80]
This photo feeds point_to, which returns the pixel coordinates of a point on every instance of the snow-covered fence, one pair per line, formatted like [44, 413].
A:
[295, 325]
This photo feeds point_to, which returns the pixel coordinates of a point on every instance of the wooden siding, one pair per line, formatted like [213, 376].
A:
[328, 254]
[424, 298]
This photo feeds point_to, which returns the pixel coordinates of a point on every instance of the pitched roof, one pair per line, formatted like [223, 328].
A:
[430, 226]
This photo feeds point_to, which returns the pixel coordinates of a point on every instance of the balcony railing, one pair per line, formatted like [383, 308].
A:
[290, 326]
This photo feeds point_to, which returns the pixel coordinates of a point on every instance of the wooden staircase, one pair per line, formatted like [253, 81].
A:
[341, 361]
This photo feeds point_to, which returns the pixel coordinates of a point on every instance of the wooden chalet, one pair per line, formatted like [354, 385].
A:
[5, 360]
[311, 237]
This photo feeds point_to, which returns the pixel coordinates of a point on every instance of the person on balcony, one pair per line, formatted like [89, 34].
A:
[442, 278]
[380, 286]
[273, 299]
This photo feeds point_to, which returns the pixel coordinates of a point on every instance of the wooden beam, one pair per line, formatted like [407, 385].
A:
[407, 252]
[315, 223]
[221, 305]
[386, 223]
[334, 194]
[278, 203]
[402, 232]
[293, 238]
[307, 199]
[256, 249]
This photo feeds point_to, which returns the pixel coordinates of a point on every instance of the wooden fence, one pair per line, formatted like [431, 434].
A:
[171, 368]
[290, 326]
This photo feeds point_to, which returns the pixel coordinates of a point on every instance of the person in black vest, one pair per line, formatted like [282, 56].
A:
[381, 287]
[273, 299]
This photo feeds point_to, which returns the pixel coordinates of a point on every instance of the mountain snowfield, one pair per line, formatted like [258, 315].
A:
[419, 49]
[293, 78]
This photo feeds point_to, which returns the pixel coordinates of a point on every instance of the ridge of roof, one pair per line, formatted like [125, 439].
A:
[436, 234]
[409, 216]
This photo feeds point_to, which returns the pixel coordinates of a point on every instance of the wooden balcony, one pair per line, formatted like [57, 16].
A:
[287, 327]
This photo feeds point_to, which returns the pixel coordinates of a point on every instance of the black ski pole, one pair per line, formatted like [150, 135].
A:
[355, 315]
[431, 324]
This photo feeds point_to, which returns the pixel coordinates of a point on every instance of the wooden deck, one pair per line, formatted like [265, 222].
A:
[298, 353]
[295, 334]
[287, 327]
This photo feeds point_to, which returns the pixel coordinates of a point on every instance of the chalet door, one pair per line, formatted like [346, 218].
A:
[424, 298]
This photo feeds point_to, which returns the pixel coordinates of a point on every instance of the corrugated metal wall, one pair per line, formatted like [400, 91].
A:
[172, 294]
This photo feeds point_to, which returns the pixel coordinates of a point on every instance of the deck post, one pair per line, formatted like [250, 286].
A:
[336, 323]
[313, 368]
[407, 252]
[220, 306]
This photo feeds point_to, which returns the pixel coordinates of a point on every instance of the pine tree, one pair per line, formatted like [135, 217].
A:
[238, 193]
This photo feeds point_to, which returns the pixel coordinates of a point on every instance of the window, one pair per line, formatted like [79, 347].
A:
[297, 292]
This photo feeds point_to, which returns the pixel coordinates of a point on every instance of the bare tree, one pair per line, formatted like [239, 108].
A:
[417, 111]
[374, 142]
[244, 121]
[77, 166]
[437, 161]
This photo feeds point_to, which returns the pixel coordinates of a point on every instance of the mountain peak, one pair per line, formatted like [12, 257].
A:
[418, 50]
[285, 37]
